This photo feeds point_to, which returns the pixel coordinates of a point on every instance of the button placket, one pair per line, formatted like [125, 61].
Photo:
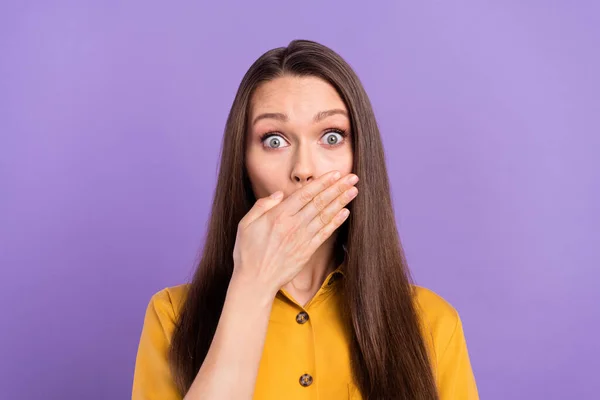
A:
[302, 318]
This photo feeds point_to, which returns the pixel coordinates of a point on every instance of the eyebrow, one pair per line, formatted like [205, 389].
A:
[284, 118]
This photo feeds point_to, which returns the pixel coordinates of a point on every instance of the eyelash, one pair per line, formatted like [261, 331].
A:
[341, 132]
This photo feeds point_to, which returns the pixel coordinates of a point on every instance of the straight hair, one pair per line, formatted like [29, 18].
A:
[389, 357]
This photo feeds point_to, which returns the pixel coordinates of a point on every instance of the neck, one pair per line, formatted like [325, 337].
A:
[309, 280]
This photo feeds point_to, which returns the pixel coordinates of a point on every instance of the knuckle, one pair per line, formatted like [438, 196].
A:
[343, 200]
[323, 234]
[261, 203]
[305, 196]
[324, 218]
[319, 202]
[278, 220]
[282, 226]
[287, 233]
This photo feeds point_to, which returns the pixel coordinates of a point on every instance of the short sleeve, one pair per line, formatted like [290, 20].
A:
[455, 375]
[447, 346]
[152, 377]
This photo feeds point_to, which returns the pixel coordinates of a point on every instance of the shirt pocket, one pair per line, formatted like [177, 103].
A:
[353, 392]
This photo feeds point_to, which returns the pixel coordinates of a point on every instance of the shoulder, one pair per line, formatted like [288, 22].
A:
[433, 308]
[439, 319]
[169, 300]
[443, 334]
[152, 376]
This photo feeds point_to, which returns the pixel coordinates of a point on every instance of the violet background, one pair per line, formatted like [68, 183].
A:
[111, 119]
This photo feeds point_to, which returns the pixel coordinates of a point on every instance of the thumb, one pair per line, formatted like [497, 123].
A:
[261, 206]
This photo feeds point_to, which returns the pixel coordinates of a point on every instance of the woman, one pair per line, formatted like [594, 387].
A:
[293, 298]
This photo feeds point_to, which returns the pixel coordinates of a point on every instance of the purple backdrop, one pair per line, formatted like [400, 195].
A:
[111, 119]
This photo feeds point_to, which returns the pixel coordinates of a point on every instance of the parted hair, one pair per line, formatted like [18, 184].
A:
[389, 358]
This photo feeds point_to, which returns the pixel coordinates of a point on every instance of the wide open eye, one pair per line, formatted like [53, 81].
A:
[333, 138]
[272, 140]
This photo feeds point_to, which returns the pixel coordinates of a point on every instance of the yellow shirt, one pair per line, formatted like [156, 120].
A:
[306, 353]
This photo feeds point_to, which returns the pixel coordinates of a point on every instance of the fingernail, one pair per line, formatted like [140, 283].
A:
[277, 195]
[336, 175]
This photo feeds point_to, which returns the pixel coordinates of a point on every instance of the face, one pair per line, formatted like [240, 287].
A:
[298, 130]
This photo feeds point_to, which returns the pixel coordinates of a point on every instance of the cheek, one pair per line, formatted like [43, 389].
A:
[341, 161]
[264, 177]
[348, 162]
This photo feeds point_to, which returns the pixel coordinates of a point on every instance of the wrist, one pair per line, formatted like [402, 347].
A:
[252, 290]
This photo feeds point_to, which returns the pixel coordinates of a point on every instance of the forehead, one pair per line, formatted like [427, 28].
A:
[295, 95]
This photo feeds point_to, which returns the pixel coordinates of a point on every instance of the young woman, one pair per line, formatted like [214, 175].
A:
[303, 290]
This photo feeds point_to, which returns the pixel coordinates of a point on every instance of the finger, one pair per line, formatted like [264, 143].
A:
[323, 234]
[322, 200]
[301, 197]
[259, 208]
[329, 213]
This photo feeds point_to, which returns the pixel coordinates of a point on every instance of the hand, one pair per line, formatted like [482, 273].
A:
[276, 238]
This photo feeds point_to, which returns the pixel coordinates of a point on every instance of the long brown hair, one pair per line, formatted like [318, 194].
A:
[389, 357]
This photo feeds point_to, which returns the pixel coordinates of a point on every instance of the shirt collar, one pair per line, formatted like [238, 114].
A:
[335, 275]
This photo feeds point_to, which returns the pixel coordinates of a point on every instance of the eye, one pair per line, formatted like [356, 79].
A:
[272, 140]
[334, 137]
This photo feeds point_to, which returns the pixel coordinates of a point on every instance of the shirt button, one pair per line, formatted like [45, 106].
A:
[302, 317]
[306, 380]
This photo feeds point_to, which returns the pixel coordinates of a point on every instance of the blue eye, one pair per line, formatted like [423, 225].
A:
[332, 140]
[275, 141]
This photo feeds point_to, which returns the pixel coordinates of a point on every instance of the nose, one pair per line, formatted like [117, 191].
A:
[304, 169]
[302, 178]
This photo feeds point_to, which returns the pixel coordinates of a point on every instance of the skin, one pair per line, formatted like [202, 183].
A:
[286, 230]
[302, 150]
